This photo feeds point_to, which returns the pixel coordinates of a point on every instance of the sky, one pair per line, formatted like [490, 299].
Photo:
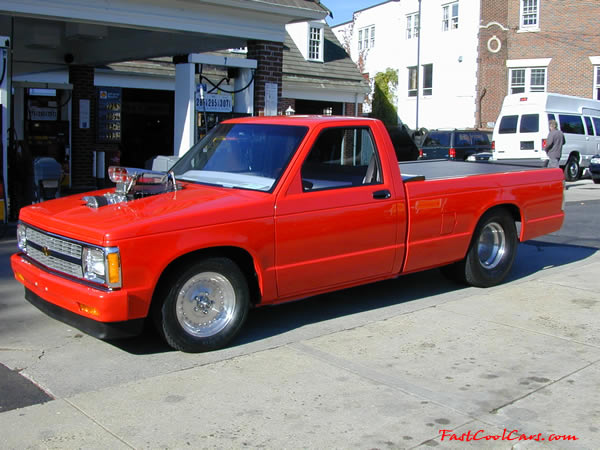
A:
[342, 9]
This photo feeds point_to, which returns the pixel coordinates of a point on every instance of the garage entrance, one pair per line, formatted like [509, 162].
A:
[147, 126]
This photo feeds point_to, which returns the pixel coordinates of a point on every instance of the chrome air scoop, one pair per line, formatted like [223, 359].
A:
[133, 184]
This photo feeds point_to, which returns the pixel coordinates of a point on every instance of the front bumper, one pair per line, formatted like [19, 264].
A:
[102, 314]
[100, 330]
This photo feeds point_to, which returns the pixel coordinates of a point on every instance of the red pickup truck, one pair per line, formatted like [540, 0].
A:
[265, 210]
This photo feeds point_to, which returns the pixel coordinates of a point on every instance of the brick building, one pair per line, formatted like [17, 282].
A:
[472, 53]
[537, 46]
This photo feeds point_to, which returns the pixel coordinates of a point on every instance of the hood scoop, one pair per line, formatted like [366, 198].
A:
[133, 184]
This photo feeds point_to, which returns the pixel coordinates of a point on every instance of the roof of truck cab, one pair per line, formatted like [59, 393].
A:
[308, 120]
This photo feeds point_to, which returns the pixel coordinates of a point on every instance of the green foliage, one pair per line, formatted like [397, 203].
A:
[384, 97]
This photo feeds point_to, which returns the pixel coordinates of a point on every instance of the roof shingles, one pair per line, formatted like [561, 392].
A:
[337, 69]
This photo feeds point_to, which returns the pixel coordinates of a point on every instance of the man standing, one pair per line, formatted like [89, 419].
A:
[554, 144]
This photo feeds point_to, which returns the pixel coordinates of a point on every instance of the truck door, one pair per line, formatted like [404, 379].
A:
[338, 224]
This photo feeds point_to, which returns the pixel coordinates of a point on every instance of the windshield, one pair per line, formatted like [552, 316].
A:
[247, 156]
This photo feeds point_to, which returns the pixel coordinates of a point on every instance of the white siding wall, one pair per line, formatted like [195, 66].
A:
[453, 54]
[299, 34]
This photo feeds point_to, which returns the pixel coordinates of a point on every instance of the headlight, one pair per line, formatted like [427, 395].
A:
[93, 264]
[22, 237]
[102, 265]
[595, 160]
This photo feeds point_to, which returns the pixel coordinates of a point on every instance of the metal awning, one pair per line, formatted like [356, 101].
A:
[46, 35]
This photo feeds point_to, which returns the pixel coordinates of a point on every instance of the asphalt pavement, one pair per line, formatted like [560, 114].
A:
[415, 362]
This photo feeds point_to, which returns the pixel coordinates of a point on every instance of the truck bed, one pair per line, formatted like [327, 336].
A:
[444, 169]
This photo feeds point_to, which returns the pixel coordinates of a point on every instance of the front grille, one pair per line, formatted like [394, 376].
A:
[54, 252]
[55, 244]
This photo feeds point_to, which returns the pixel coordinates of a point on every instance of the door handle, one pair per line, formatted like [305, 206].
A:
[382, 195]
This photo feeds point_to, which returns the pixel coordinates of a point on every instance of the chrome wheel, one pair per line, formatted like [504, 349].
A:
[491, 246]
[205, 304]
[572, 169]
[491, 253]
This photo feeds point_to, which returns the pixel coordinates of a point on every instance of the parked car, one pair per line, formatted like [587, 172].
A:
[595, 168]
[482, 156]
[454, 144]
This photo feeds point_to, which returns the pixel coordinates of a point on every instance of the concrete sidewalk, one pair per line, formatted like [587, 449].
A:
[388, 365]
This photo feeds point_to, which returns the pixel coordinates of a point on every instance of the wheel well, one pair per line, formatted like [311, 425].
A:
[511, 209]
[241, 257]
[574, 154]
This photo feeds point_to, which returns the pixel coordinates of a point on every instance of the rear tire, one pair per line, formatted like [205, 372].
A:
[572, 169]
[491, 253]
[205, 306]
[596, 180]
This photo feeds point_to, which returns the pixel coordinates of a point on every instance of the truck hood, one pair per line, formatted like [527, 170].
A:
[192, 206]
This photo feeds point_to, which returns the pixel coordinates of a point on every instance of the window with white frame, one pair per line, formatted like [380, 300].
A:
[412, 26]
[315, 44]
[597, 83]
[450, 16]
[412, 81]
[527, 79]
[366, 37]
[427, 79]
[530, 14]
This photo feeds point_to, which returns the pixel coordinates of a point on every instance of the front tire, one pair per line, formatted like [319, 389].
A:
[205, 306]
[491, 253]
[572, 169]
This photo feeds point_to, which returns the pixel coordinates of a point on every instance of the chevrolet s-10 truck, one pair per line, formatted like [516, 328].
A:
[266, 210]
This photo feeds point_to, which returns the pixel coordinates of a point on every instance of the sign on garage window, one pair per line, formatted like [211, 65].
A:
[212, 102]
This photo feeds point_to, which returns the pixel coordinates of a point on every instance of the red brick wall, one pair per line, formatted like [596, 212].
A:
[285, 103]
[350, 109]
[269, 56]
[83, 141]
[568, 34]
[492, 73]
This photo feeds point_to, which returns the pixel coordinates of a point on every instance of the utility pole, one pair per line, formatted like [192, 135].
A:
[418, 66]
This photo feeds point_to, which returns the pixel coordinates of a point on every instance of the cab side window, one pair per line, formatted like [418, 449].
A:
[341, 158]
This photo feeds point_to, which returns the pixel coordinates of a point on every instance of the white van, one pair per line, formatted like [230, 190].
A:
[522, 128]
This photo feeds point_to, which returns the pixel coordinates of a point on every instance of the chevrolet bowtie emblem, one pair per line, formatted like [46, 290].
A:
[46, 251]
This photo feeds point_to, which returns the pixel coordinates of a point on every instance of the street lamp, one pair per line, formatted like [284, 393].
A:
[418, 65]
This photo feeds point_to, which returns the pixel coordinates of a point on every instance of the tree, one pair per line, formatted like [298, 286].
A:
[347, 35]
[384, 97]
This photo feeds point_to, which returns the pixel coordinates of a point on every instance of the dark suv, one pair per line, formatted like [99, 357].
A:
[454, 144]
